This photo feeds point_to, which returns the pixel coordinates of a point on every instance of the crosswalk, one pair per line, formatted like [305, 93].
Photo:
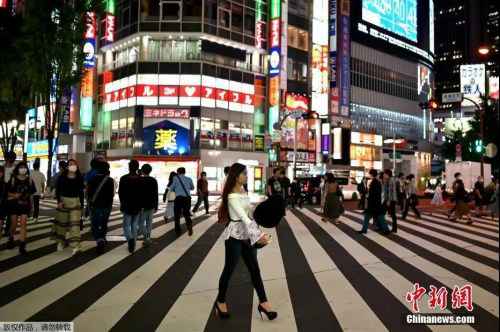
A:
[319, 276]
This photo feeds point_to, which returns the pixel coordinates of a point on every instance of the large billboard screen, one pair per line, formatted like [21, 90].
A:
[396, 16]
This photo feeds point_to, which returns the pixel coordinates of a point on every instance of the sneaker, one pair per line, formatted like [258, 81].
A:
[22, 248]
[100, 247]
[190, 230]
[60, 247]
[361, 232]
[146, 243]
[75, 251]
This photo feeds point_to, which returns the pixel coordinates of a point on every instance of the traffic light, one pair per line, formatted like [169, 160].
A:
[430, 105]
[478, 145]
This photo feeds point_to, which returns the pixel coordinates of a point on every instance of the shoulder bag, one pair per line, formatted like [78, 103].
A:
[185, 190]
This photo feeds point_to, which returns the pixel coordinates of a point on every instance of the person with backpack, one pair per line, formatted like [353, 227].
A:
[129, 192]
[242, 238]
[182, 185]
[70, 201]
[100, 195]
[149, 198]
[169, 197]
[20, 190]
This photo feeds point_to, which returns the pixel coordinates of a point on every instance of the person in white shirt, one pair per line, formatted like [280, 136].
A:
[39, 180]
[10, 164]
[242, 237]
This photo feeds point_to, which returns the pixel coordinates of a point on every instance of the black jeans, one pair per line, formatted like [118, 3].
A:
[36, 206]
[235, 249]
[411, 202]
[182, 206]
[391, 210]
[99, 218]
[204, 198]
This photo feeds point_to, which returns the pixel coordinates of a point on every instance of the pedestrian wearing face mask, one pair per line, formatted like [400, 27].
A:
[70, 201]
[20, 190]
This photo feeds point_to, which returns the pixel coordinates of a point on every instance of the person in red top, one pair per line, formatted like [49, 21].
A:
[202, 190]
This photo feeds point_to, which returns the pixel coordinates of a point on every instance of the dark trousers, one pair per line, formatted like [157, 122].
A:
[201, 198]
[411, 203]
[297, 199]
[361, 203]
[99, 218]
[36, 206]
[235, 249]
[182, 206]
[378, 220]
[391, 210]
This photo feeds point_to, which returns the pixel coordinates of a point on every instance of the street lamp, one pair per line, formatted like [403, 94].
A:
[394, 141]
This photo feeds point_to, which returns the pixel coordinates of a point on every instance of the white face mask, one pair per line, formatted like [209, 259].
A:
[23, 171]
[72, 168]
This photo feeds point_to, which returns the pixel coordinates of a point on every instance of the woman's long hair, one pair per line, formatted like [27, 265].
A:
[77, 173]
[15, 173]
[232, 177]
[171, 178]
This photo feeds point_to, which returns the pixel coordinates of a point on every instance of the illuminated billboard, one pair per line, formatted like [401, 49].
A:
[396, 16]
[424, 83]
[274, 67]
[320, 56]
[431, 26]
[472, 83]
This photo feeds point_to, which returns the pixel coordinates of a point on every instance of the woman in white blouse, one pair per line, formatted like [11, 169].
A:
[242, 237]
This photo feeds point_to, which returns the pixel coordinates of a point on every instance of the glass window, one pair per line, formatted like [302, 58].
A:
[234, 136]
[224, 18]
[247, 136]
[178, 50]
[249, 22]
[171, 11]
[191, 10]
[211, 12]
[207, 133]
[150, 10]
[221, 136]
[193, 49]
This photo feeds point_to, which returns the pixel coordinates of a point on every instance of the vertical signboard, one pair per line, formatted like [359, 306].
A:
[431, 26]
[87, 83]
[3, 3]
[472, 83]
[274, 65]
[109, 22]
[259, 23]
[65, 116]
[320, 54]
[334, 91]
[344, 58]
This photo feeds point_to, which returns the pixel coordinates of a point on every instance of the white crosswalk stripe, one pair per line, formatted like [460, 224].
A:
[357, 282]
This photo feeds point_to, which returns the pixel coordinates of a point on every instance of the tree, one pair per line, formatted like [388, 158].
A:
[52, 42]
[469, 138]
[15, 88]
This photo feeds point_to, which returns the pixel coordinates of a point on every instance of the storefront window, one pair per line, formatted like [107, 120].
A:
[234, 136]
[207, 138]
[178, 50]
[193, 50]
[221, 133]
[247, 136]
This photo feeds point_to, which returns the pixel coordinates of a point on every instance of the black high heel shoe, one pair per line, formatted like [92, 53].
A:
[271, 315]
[220, 313]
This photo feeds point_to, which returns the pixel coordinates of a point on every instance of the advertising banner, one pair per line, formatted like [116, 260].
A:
[89, 44]
[334, 93]
[424, 83]
[274, 66]
[493, 87]
[472, 83]
[345, 58]
[65, 114]
[166, 133]
[320, 65]
[38, 148]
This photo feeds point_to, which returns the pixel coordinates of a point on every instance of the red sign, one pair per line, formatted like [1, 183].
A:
[258, 34]
[166, 113]
[190, 91]
[169, 91]
[147, 90]
[109, 29]
[87, 85]
[3, 3]
[90, 31]
[208, 93]
[222, 95]
[274, 36]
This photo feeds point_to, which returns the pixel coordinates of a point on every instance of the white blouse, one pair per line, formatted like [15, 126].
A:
[245, 228]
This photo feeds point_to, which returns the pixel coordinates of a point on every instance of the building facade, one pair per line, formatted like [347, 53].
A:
[183, 83]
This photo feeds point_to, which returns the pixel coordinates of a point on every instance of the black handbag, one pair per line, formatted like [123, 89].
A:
[269, 213]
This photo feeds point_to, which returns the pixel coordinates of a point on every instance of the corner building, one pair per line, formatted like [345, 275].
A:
[183, 84]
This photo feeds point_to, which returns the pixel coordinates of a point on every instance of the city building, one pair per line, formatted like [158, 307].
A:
[183, 83]
[391, 73]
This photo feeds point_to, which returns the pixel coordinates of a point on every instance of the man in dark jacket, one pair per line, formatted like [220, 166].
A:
[129, 190]
[100, 194]
[149, 198]
[374, 208]
[202, 192]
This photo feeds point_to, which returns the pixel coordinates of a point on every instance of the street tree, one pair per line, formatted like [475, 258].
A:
[15, 87]
[52, 43]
